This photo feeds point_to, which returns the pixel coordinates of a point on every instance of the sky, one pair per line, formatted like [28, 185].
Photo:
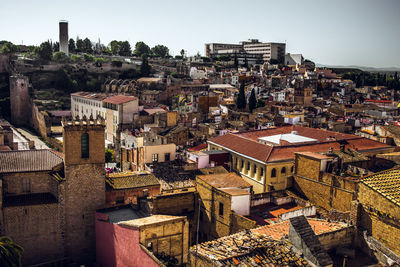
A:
[342, 32]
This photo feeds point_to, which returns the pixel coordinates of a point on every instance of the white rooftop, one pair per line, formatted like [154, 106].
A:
[291, 138]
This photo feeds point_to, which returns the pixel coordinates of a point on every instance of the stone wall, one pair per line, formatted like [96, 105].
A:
[20, 100]
[40, 122]
[39, 182]
[213, 222]
[240, 223]
[380, 217]
[84, 187]
[340, 238]
[323, 194]
[169, 237]
[129, 195]
[38, 229]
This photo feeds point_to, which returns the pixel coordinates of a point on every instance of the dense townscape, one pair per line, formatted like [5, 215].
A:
[112, 155]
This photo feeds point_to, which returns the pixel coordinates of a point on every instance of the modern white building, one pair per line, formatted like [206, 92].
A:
[253, 48]
[87, 104]
[293, 59]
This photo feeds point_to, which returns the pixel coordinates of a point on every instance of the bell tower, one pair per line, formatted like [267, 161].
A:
[84, 187]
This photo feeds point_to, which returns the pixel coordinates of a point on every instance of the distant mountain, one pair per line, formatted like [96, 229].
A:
[363, 68]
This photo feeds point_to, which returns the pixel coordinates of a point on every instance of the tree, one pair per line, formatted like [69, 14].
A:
[160, 51]
[44, 51]
[60, 57]
[114, 47]
[125, 49]
[252, 101]
[56, 47]
[145, 68]
[71, 45]
[241, 99]
[80, 46]
[260, 103]
[182, 53]
[142, 49]
[87, 46]
[10, 253]
[109, 155]
[7, 47]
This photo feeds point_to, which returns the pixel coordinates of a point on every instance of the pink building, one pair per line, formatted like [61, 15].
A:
[128, 237]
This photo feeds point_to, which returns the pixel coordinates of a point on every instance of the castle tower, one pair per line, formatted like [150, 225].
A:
[64, 36]
[20, 100]
[84, 191]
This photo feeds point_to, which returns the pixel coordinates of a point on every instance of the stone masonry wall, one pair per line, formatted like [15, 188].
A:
[37, 229]
[380, 217]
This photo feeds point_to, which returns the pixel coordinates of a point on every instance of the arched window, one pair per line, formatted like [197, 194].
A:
[273, 172]
[85, 145]
[248, 166]
[255, 169]
[283, 170]
[261, 171]
[291, 169]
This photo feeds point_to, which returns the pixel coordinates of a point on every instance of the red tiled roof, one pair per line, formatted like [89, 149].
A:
[198, 148]
[246, 144]
[119, 99]
[378, 101]
[279, 230]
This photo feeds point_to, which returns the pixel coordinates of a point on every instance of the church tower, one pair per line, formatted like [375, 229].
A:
[84, 187]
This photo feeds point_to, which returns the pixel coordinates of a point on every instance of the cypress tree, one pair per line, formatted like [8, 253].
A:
[241, 99]
[252, 101]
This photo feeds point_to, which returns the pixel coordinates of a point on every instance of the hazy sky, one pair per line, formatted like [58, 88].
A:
[345, 32]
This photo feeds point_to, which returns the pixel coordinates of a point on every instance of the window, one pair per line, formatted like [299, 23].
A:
[221, 209]
[283, 170]
[242, 165]
[273, 172]
[291, 169]
[248, 165]
[255, 169]
[155, 157]
[26, 185]
[85, 145]
[261, 171]
[167, 157]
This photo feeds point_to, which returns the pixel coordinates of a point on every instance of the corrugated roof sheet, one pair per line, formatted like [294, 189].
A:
[28, 161]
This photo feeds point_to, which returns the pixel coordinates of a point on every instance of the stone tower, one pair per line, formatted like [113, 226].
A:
[64, 36]
[84, 190]
[20, 100]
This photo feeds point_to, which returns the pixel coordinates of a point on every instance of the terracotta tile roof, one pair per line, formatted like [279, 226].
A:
[119, 99]
[314, 155]
[248, 249]
[387, 183]
[28, 161]
[131, 180]
[246, 144]
[319, 134]
[198, 148]
[281, 230]
[224, 180]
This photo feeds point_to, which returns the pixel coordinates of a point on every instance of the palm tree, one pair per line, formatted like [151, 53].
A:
[10, 253]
